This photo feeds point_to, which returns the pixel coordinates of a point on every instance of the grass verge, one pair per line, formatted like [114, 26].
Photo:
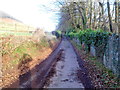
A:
[20, 50]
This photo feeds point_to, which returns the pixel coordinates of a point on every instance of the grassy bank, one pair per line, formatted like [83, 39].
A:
[22, 50]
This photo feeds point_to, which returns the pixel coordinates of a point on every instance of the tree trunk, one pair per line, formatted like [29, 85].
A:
[82, 12]
[90, 14]
[116, 11]
[109, 16]
[102, 15]
[94, 17]
[119, 16]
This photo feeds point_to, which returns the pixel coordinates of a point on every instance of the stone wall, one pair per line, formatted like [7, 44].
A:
[92, 50]
[77, 41]
[111, 57]
[109, 54]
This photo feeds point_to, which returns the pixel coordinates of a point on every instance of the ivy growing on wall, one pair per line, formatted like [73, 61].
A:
[91, 37]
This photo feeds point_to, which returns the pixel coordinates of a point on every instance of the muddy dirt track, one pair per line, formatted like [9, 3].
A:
[66, 69]
[62, 69]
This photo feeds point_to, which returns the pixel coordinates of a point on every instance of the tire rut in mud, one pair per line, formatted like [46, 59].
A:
[52, 72]
[38, 73]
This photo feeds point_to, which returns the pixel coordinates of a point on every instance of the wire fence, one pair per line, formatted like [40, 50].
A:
[7, 25]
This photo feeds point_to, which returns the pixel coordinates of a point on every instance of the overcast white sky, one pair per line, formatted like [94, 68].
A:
[31, 12]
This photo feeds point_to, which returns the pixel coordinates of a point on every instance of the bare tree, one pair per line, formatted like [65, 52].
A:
[90, 13]
[87, 14]
[116, 11]
[109, 15]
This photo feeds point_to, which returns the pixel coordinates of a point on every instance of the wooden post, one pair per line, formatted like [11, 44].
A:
[15, 27]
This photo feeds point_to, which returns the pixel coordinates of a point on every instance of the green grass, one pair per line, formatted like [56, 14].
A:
[14, 27]
[7, 33]
[79, 47]
[44, 43]
[17, 29]
[29, 48]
